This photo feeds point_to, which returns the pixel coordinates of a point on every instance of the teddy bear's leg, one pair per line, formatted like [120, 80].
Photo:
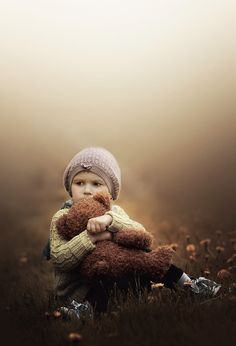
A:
[98, 270]
[157, 263]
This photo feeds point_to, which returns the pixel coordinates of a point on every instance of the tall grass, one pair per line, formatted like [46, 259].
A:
[162, 317]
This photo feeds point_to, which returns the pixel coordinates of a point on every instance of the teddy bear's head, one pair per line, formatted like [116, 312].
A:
[75, 221]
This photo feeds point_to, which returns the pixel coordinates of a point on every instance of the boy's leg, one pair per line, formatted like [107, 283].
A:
[134, 283]
[70, 308]
[174, 276]
[201, 285]
[98, 295]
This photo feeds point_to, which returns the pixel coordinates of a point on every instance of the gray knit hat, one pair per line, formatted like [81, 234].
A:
[99, 161]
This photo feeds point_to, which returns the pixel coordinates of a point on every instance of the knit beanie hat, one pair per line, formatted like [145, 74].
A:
[99, 161]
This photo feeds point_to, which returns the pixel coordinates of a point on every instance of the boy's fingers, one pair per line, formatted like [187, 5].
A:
[92, 228]
[88, 226]
[104, 227]
[97, 227]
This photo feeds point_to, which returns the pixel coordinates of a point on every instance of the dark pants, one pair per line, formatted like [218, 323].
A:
[101, 291]
[172, 276]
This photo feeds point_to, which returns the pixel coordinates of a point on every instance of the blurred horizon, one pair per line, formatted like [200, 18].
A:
[151, 81]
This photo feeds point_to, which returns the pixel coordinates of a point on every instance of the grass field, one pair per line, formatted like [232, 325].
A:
[162, 317]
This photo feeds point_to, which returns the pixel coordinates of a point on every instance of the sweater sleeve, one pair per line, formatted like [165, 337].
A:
[121, 221]
[65, 254]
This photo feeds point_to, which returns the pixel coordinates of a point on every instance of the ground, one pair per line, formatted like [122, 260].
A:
[162, 317]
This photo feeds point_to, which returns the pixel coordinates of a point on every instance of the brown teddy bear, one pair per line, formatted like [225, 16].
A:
[129, 252]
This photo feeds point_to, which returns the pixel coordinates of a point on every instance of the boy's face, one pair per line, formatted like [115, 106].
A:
[86, 184]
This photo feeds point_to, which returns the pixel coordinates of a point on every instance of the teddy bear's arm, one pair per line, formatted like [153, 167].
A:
[66, 255]
[128, 233]
[121, 221]
[134, 239]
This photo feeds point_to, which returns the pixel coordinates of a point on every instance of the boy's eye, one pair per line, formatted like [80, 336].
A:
[81, 183]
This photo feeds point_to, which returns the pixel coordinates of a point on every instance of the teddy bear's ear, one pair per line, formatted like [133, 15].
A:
[104, 198]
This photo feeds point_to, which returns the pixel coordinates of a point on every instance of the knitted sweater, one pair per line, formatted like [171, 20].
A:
[66, 255]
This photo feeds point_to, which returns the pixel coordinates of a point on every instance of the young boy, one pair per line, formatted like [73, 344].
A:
[93, 170]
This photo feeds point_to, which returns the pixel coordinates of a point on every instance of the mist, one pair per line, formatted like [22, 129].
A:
[151, 81]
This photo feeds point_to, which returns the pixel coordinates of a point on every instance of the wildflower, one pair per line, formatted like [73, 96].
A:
[74, 337]
[231, 234]
[183, 230]
[205, 242]
[56, 314]
[232, 299]
[224, 275]
[157, 286]
[233, 286]
[220, 249]
[23, 259]
[115, 313]
[206, 258]
[232, 259]
[190, 248]
[47, 314]
[192, 258]
[174, 246]
[206, 272]
[233, 243]
[188, 239]
[151, 299]
[112, 335]
[232, 269]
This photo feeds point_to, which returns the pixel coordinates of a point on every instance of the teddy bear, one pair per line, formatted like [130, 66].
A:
[128, 253]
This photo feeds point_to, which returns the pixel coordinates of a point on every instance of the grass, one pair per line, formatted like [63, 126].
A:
[162, 317]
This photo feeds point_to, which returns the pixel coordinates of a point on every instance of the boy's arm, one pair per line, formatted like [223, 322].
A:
[122, 221]
[66, 255]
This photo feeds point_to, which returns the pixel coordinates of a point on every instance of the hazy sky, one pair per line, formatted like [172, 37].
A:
[152, 81]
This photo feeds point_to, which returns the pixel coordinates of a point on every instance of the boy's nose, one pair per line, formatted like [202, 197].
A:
[87, 189]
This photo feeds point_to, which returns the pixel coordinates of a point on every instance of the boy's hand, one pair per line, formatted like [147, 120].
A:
[96, 237]
[99, 224]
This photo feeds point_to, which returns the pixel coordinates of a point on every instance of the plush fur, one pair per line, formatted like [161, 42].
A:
[128, 253]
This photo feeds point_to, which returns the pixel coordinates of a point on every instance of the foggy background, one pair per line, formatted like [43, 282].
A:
[151, 81]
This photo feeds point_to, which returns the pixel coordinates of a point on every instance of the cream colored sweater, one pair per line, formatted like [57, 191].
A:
[66, 255]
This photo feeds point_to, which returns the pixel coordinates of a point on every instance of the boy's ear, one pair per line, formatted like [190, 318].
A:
[104, 198]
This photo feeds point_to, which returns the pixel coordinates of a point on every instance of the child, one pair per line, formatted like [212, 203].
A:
[93, 170]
